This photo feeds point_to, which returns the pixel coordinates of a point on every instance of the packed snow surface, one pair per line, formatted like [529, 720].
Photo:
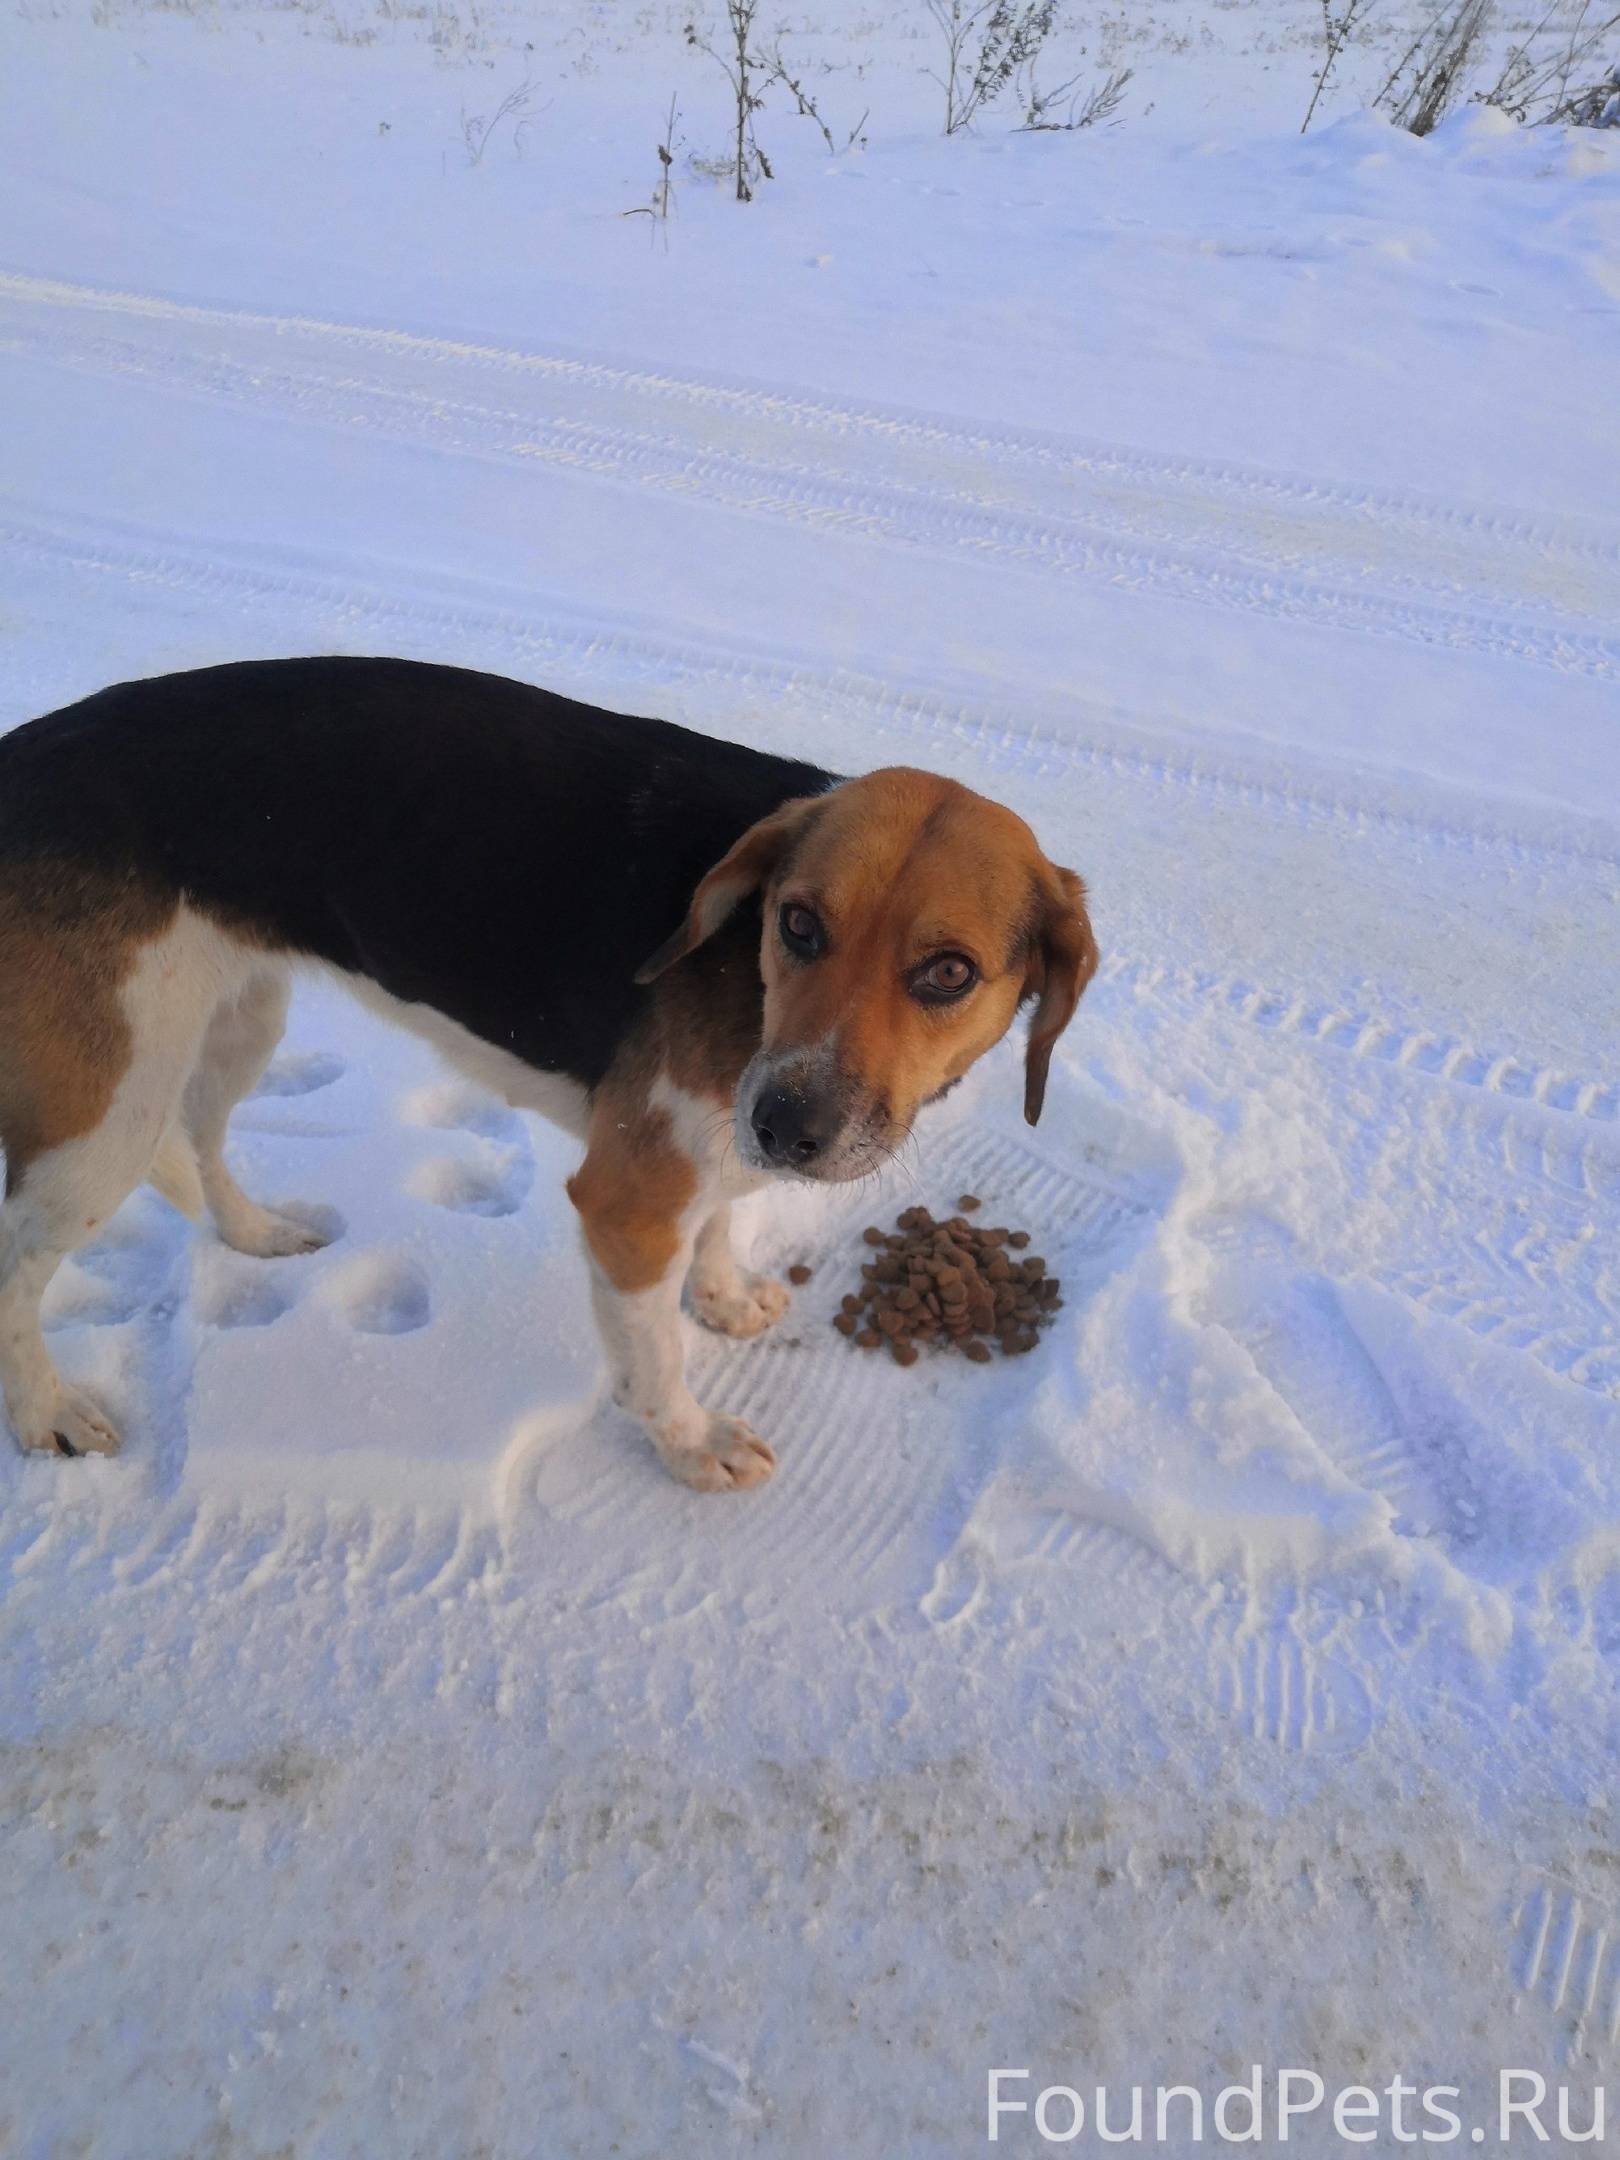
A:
[393, 1760]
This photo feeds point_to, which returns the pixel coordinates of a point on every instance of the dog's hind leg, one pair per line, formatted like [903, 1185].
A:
[61, 1199]
[107, 992]
[104, 1023]
[240, 1040]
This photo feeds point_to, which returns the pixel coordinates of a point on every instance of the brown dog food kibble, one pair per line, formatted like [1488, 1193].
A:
[951, 1283]
[798, 1273]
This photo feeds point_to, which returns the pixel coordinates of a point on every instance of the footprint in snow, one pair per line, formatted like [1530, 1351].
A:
[119, 1275]
[80, 1297]
[382, 1294]
[328, 1223]
[955, 1592]
[459, 1106]
[301, 1072]
[249, 1296]
[494, 1182]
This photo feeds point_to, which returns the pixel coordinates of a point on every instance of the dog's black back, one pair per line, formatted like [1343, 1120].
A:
[505, 855]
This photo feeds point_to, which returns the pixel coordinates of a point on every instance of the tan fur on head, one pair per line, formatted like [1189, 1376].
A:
[899, 868]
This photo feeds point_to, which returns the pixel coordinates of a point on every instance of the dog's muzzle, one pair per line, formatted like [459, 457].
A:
[799, 1116]
[790, 1129]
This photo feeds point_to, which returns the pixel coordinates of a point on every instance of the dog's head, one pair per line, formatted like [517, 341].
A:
[906, 919]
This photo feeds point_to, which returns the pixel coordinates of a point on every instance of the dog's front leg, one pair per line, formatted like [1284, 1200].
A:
[636, 1194]
[730, 1299]
[641, 1332]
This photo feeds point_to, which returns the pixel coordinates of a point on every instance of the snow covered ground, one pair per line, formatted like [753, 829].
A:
[392, 1759]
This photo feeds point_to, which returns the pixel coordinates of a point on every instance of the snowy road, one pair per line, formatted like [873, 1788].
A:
[391, 1759]
[1298, 549]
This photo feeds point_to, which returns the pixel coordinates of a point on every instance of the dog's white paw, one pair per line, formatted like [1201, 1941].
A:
[264, 1235]
[722, 1454]
[69, 1424]
[743, 1305]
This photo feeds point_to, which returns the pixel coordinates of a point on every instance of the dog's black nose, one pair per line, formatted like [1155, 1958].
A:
[787, 1127]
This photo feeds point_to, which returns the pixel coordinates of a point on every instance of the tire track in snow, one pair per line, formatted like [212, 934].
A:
[1566, 1957]
[224, 1547]
[1258, 1670]
[1277, 1687]
[1534, 1271]
[1573, 1328]
[1366, 1035]
[976, 458]
[1506, 1147]
[1200, 559]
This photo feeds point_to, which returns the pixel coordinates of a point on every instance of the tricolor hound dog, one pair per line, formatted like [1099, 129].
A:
[710, 964]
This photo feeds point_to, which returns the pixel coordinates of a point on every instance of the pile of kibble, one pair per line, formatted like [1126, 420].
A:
[949, 1283]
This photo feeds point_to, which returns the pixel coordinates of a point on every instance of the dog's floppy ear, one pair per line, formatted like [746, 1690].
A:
[1062, 960]
[744, 869]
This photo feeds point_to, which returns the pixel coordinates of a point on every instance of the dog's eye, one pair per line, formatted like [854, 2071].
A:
[801, 931]
[947, 977]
